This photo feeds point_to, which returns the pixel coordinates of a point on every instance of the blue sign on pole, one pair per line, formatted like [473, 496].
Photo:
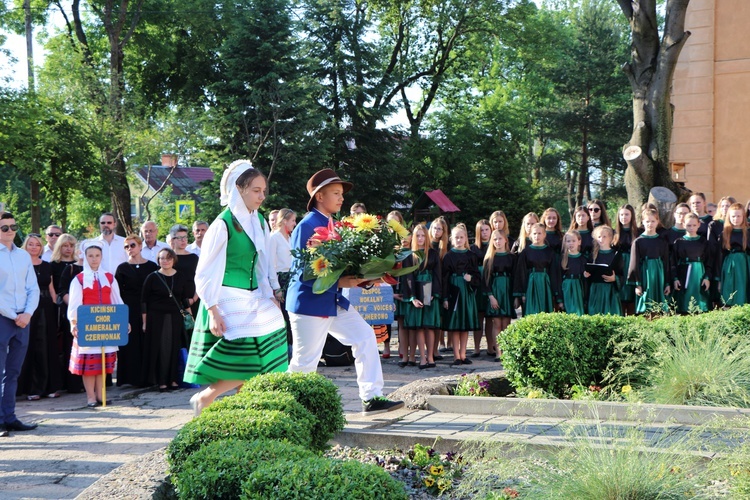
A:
[374, 304]
[102, 325]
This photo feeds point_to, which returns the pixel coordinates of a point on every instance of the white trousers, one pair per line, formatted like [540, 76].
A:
[348, 327]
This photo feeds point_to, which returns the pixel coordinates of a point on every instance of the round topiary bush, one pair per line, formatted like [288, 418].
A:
[313, 391]
[217, 469]
[322, 478]
[262, 401]
[240, 424]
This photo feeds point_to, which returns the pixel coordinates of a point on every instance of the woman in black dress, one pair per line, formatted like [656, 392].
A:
[187, 262]
[165, 293]
[65, 261]
[41, 372]
[130, 276]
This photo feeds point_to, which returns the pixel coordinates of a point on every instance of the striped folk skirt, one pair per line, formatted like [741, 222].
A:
[90, 364]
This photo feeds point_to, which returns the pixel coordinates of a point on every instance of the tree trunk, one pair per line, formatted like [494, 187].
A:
[650, 72]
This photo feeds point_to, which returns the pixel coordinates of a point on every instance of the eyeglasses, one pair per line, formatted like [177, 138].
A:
[131, 245]
[54, 235]
[179, 237]
[6, 228]
[595, 209]
[108, 223]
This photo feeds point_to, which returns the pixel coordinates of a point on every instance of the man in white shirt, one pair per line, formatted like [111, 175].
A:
[112, 245]
[53, 232]
[151, 246]
[199, 231]
[19, 298]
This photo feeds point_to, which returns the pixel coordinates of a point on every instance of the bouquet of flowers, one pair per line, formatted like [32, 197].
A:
[363, 245]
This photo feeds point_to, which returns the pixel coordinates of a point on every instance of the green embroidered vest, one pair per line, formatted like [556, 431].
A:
[241, 256]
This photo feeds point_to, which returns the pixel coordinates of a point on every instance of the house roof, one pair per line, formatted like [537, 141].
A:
[184, 180]
[441, 200]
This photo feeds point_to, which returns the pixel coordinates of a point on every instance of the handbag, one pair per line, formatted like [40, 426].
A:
[187, 318]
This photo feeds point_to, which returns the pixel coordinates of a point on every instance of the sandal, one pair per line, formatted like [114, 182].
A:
[33, 397]
[53, 395]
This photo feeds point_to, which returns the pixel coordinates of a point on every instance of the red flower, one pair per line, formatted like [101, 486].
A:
[325, 234]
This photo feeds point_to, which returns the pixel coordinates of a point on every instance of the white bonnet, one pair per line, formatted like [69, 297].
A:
[229, 179]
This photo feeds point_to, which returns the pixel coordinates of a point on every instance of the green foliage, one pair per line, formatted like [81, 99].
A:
[552, 352]
[315, 392]
[217, 469]
[263, 401]
[240, 424]
[329, 479]
[633, 466]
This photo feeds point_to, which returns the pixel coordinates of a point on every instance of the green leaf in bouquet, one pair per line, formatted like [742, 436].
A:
[377, 266]
[323, 283]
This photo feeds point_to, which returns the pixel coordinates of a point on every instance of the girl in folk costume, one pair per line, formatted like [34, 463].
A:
[572, 268]
[733, 285]
[88, 288]
[497, 285]
[553, 228]
[537, 279]
[604, 296]
[481, 243]
[598, 213]
[499, 222]
[692, 268]
[239, 331]
[460, 277]
[625, 232]
[649, 265]
[582, 223]
[423, 289]
[439, 233]
[524, 233]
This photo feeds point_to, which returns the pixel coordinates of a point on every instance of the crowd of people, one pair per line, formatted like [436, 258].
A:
[595, 267]
[255, 313]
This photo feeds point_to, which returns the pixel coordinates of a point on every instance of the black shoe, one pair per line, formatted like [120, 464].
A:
[99, 403]
[17, 425]
[438, 358]
[456, 362]
[412, 363]
[431, 365]
[379, 404]
[422, 367]
[402, 364]
[476, 354]
[497, 360]
[466, 361]
[93, 405]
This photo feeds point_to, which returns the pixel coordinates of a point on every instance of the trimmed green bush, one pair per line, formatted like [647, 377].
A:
[271, 400]
[321, 478]
[217, 469]
[315, 392]
[241, 424]
[555, 351]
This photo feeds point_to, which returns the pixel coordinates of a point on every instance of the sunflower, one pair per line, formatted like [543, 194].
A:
[321, 266]
[365, 222]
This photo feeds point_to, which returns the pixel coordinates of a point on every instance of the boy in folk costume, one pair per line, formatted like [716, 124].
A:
[313, 315]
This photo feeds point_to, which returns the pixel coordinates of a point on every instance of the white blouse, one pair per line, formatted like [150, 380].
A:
[281, 252]
[212, 263]
[75, 299]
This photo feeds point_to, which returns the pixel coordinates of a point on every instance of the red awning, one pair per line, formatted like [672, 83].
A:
[442, 201]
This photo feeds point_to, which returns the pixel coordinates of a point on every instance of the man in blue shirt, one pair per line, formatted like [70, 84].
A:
[313, 315]
[19, 297]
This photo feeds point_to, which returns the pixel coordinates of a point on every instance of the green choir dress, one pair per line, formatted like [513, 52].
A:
[649, 265]
[734, 269]
[715, 229]
[604, 298]
[480, 252]
[573, 285]
[415, 285]
[537, 278]
[691, 264]
[500, 286]
[587, 242]
[623, 245]
[212, 358]
[461, 315]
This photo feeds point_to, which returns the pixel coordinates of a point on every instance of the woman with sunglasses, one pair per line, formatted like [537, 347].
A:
[598, 213]
[130, 276]
[41, 371]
